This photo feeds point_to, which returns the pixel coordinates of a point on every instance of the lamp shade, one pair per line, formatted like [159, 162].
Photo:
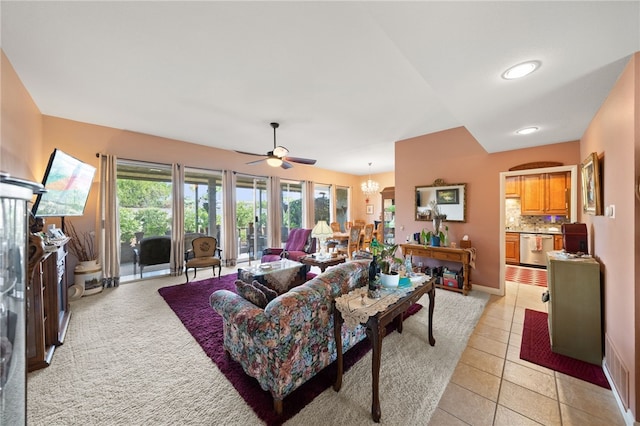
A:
[321, 230]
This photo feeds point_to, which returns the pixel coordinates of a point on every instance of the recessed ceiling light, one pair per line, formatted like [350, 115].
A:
[520, 70]
[527, 130]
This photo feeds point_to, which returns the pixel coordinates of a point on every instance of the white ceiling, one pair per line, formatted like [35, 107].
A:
[344, 79]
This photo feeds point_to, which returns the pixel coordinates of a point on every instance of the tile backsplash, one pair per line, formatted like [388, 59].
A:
[514, 220]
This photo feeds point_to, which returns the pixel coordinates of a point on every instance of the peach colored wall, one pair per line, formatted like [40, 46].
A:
[614, 135]
[20, 127]
[455, 156]
[83, 141]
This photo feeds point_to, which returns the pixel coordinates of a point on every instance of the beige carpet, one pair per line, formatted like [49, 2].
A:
[128, 360]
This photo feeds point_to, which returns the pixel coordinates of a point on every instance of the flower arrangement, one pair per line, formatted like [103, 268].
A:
[81, 245]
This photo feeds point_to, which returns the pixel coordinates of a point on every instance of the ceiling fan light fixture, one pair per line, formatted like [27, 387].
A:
[521, 70]
[527, 130]
[280, 151]
[274, 161]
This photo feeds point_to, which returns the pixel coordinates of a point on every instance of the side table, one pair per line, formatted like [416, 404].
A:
[376, 329]
[322, 263]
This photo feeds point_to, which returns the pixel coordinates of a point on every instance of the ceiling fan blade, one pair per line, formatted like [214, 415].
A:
[300, 160]
[256, 161]
[286, 165]
[249, 153]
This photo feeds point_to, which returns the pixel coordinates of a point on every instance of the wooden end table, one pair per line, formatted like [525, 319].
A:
[376, 330]
[322, 263]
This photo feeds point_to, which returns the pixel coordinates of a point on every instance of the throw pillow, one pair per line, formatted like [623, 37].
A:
[270, 293]
[251, 293]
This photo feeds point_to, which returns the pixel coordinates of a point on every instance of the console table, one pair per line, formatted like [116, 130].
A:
[449, 254]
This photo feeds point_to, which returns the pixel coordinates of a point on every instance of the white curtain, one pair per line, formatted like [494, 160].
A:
[177, 226]
[274, 207]
[109, 223]
[310, 204]
[229, 243]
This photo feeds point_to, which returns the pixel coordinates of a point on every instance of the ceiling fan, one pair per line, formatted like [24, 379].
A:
[278, 157]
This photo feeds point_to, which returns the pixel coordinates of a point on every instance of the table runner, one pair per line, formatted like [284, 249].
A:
[356, 309]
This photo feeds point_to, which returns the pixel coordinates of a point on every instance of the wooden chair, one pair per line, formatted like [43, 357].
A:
[353, 245]
[335, 226]
[368, 236]
[204, 252]
[359, 222]
[379, 232]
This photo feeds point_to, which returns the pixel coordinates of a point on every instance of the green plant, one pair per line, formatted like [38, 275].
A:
[386, 255]
[426, 236]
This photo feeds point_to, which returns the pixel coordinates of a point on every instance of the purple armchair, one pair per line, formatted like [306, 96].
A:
[299, 244]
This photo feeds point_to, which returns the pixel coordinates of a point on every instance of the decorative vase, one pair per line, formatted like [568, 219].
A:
[435, 241]
[88, 277]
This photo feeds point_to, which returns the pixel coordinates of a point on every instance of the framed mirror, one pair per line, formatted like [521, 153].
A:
[451, 199]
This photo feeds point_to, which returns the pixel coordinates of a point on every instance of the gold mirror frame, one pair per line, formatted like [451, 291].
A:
[451, 198]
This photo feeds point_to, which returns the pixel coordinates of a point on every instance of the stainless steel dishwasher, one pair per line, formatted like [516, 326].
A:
[534, 248]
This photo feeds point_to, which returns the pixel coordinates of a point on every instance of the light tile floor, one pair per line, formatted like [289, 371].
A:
[491, 385]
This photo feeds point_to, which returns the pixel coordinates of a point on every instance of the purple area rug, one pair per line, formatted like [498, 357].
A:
[536, 348]
[190, 302]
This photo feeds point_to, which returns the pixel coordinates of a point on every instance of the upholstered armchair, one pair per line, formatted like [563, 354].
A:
[299, 244]
[153, 251]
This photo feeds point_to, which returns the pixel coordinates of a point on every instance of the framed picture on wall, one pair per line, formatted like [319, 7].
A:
[369, 208]
[447, 196]
[591, 197]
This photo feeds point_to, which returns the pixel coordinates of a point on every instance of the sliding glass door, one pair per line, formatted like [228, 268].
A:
[251, 217]
[202, 204]
[291, 195]
[144, 195]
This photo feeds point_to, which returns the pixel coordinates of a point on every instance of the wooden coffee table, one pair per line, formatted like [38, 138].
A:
[322, 263]
[376, 329]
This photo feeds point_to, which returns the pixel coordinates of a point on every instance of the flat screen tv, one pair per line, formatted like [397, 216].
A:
[67, 182]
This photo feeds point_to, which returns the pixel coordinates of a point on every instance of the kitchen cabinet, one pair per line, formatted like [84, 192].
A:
[557, 242]
[575, 308]
[545, 194]
[512, 186]
[389, 213]
[512, 248]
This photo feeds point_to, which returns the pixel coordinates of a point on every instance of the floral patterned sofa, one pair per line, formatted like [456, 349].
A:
[291, 339]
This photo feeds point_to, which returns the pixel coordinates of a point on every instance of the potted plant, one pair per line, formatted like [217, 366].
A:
[388, 263]
[437, 235]
[88, 272]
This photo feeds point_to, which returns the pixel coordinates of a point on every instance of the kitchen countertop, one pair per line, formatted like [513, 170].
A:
[539, 231]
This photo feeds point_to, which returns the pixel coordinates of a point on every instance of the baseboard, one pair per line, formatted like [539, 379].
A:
[485, 289]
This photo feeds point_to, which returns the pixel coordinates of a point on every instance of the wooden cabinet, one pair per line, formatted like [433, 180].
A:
[575, 326]
[557, 242]
[446, 254]
[47, 308]
[512, 248]
[545, 194]
[389, 214]
[512, 186]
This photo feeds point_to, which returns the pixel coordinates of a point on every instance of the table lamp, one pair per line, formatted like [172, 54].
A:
[322, 231]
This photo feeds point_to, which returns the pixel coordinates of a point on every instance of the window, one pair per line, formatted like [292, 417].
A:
[322, 203]
[342, 206]
[203, 202]
[251, 216]
[291, 195]
[144, 196]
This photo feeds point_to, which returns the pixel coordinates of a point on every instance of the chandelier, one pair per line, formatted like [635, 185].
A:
[369, 187]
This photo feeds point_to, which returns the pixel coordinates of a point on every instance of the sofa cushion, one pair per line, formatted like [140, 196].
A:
[269, 293]
[251, 293]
